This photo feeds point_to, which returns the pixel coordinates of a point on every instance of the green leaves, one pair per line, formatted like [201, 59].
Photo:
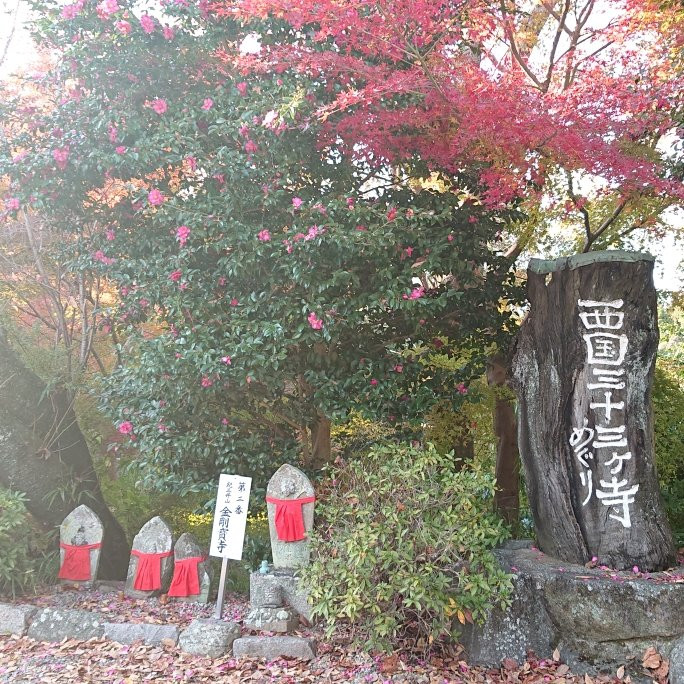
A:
[404, 544]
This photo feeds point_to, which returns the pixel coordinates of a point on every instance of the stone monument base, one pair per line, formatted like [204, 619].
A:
[282, 583]
[597, 619]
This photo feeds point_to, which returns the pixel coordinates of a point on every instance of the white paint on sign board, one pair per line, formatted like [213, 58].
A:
[230, 516]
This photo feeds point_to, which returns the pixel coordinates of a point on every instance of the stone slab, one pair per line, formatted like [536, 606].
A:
[208, 637]
[677, 663]
[289, 482]
[272, 620]
[55, 624]
[129, 632]
[82, 526]
[15, 619]
[262, 590]
[273, 647]
[595, 621]
[155, 536]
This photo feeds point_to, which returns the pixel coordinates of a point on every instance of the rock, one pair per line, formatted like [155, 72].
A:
[81, 528]
[187, 546]
[15, 619]
[593, 619]
[583, 371]
[55, 624]
[289, 482]
[272, 620]
[128, 632]
[276, 589]
[155, 537]
[272, 647]
[677, 663]
[208, 637]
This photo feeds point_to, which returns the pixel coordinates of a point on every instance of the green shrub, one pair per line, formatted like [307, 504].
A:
[668, 411]
[21, 546]
[403, 546]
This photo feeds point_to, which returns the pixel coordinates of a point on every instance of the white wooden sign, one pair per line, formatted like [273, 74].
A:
[230, 516]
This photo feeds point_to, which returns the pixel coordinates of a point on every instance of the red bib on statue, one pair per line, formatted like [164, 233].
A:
[289, 518]
[76, 563]
[148, 572]
[186, 577]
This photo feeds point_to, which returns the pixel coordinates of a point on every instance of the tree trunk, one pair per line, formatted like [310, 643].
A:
[44, 455]
[583, 371]
[507, 495]
[320, 444]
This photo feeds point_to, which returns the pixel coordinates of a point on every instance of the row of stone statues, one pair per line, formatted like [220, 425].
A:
[182, 570]
[156, 564]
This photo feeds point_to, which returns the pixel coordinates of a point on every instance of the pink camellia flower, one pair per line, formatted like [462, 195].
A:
[314, 321]
[409, 213]
[159, 105]
[242, 88]
[297, 202]
[227, 360]
[161, 427]
[206, 382]
[13, 204]
[155, 197]
[244, 130]
[207, 104]
[251, 147]
[224, 421]
[147, 23]
[143, 303]
[176, 275]
[409, 251]
[233, 302]
[363, 229]
[350, 202]
[61, 156]
[398, 368]
[70, 11]
[417, 292]
[123, 27]
[392, 214]
[110, 234]
[182, 235]
[264, 235]
[120, 149]
[374, 382]
[106, 8]
[125, 428]
[168, 33]
[450, 237]
[461, 388]
[472, 219]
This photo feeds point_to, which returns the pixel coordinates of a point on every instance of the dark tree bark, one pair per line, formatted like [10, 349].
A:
[507, 495]
[583, 370]
[42, 451]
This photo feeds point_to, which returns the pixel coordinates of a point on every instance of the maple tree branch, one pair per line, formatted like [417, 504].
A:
[554, 45]
[514, 47]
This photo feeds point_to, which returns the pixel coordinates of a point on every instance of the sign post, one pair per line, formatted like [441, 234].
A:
[230, 520]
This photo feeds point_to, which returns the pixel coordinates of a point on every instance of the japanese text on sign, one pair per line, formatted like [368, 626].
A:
[230, 516]
[605, 445]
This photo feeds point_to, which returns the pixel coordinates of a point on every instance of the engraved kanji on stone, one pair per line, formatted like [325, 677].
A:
[586, 478]
[620, 459]
[609, 437]
[605, 348]
[616, 495]
[579, 439]
[608, 406]
[607, 378]
[603, 315]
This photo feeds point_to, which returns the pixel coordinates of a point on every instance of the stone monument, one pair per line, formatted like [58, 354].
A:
[80, 542]
[583, 371]
[277, 603]
[192, 571]
[151, 565]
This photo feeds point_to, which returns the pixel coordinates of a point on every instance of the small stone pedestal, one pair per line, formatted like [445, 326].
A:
[598, 619]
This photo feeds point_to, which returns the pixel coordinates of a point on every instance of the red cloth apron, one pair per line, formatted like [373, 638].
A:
[289, 519]
[76, 564]
[148, 572]
[186, 577]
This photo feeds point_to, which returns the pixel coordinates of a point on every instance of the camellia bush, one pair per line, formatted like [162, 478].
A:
[402, 552]
[264, 281]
